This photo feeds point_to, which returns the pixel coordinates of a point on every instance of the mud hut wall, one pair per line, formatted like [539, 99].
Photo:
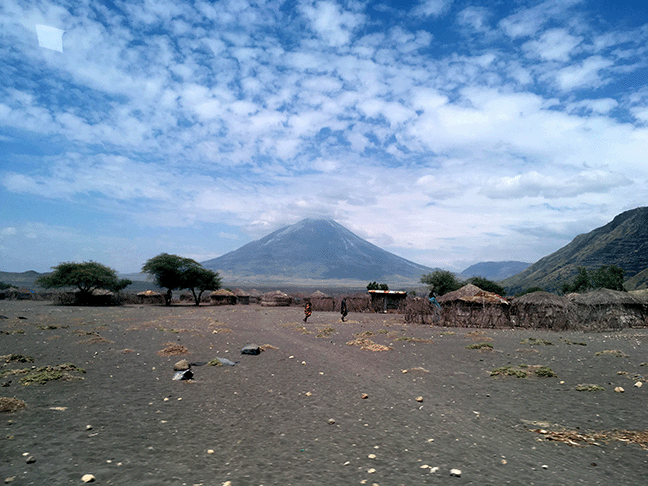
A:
[469, 314]
[602, 317]
[539, 316]
[325, 304]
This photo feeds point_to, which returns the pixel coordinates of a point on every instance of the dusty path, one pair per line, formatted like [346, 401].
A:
[266, 421]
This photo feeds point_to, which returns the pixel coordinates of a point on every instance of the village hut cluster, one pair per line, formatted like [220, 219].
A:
[598, 310]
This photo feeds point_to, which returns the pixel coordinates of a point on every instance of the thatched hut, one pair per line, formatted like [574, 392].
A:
[222, 297]
[609, 309]
[321, 301]
[472, 307]
[275, 299]
[543, 310]
[255, 295]
[242, 297]
[150, 297]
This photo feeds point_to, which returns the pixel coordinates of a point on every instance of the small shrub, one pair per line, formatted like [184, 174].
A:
[612, 352]
[11, 404]
[508, 371]
[589, 387]
[481, 346]
[545, 372]
[536, 342]
[18, 358]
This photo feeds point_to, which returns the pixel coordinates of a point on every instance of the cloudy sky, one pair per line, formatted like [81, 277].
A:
[447, 132]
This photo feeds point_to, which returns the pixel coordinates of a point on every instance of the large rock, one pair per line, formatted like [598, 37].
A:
[251, 349]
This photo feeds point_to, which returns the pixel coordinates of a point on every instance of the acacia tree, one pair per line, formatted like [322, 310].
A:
[174, 272]
[441, 281]
[199, 279]
[86, 277]
[609, 277]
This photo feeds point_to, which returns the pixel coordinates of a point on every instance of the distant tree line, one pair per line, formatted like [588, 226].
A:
[376, 286]
[172, 272]
[443, 281]
[606, 277]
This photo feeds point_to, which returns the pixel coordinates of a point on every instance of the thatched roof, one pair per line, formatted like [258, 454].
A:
[148, 293]
[221, 292]
[240, 293]
[604, 297]
[542, 298]
[465, 291]
[642, 295]
[275, 294]
[472, 293]
[318, 295]
[255, 293]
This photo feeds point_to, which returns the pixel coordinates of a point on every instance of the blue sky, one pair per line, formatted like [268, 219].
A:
[447, 132]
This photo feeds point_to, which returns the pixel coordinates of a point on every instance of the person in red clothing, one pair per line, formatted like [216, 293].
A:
[308, 310]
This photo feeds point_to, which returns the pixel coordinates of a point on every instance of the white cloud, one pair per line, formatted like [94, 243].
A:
[582, 75]
[431, 8]
[553, 45]
[330, 22]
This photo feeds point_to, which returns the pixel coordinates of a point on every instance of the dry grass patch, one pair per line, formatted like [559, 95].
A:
[368, 345]
[173, 349]
[575, 438]
[10, 405]
[612, 352]
[267, 346]
[17, 358]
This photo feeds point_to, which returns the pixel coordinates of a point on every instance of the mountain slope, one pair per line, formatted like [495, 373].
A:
[622, 242]
[494, 270]
[315, 249]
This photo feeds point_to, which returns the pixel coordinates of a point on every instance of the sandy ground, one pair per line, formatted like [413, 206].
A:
[312, 409]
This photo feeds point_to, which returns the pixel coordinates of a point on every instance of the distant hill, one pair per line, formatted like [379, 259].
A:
[622, 242]
[494, 270]
[319, 250]
[20, 279]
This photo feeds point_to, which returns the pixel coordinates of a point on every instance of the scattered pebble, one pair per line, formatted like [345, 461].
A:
[371, 471]
[331, 421]
[419, 399]
[308, 394]
[30, 460]
[504, 461]
[210, 451]
[88, 427]
[455, 472]
[365, 396]
[638, 384]
[425, 466]
[434, 469]
[544, 466]
[10, 479]
[619, 389]
[371, 456]
[88, 478]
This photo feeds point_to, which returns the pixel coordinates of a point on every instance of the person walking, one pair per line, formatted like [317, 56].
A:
[343, 309]
[308, 310]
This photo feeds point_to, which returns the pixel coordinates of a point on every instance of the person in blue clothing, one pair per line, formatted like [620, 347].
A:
[433, 300]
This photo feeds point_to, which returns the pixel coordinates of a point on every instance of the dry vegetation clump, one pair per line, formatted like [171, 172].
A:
[327, 331]
[480, 346]
[612, 352]
[42, 375]
[267, 346]
[579, 439]
[18, 358]
[536, 342]
[368, 345]
[523, 371]
[173, 349]
[589, 387]
[9, 405]
[414, 339]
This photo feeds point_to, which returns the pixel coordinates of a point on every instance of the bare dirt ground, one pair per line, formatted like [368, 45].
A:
[312, 409]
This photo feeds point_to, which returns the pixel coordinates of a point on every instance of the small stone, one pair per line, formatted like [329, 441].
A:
[504, 461]
[455, 472]
[181, 365]
[30, 460]
[419, 399]
[10, 479]
[371, 471]
[434, 469]
[308, 394]
[331, 421]
[365, 396]
[88, 478]
[371, 456]
[544, 466]
[88, 427]
[210, 451]
[252, 349]
[425, 466]
[619, 389]
[638, 384]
